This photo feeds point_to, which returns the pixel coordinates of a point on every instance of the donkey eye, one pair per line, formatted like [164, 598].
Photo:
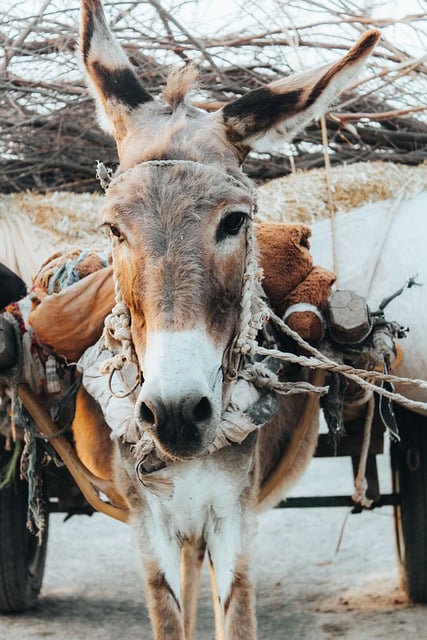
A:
[230, 225]
[113, 231]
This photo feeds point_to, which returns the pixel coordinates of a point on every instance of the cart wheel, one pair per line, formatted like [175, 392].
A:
[22, 558]
[409, 472]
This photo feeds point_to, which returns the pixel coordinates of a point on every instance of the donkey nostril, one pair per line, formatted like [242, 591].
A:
[146, 414]
[202, 410]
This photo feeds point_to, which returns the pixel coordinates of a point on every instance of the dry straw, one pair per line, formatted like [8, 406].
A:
[72, 219]
[303, 196]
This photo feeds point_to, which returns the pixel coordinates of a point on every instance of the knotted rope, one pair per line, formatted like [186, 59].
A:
[361, 484]
[254, 311]
[117, 337]
[362, 377]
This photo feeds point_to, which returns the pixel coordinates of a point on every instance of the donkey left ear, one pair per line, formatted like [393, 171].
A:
[113, 80]
[277, 111]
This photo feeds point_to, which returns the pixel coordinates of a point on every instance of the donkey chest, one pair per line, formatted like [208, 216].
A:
[205, 497]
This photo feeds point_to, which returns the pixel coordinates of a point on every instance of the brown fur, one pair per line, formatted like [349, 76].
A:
[193, 553]
[165, 613]
[179, 84]
[92, 438]
[240, 605]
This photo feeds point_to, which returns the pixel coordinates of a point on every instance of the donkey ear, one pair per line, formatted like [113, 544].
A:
[277, 111]
[111, 77]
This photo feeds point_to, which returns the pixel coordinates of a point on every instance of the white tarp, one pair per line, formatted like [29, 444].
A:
[378, 247]
[20, 248]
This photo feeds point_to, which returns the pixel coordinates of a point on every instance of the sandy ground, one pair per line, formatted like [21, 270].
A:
[305, 591]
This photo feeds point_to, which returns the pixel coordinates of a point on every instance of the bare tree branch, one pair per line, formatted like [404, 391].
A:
[49, 136]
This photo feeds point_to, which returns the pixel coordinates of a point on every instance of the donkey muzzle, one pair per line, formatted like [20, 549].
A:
[180, 425]
[181, 397]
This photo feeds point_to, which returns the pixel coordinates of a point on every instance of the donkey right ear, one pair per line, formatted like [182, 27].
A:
[278, 110]
[111, 77]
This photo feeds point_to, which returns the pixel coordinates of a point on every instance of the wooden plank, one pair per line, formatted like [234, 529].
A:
[333, 501]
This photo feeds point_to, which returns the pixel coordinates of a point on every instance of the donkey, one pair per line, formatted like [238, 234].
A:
[179, 213]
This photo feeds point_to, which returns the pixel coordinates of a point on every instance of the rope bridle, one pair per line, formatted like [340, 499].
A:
[254, 311]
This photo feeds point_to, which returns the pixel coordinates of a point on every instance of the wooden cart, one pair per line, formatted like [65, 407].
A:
[70, 488]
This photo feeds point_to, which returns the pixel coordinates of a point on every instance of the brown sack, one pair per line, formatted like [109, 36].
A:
[284, 255]
[72, 320]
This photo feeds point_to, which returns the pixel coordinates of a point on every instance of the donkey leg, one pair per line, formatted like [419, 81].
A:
[235, 613]
[163, 606]
[160, 557]
[233, 593]
[218, 609]
[192, 555]
[239, 608]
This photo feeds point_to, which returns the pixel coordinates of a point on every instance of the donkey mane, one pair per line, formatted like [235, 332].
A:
[179, 84]
[176, 136]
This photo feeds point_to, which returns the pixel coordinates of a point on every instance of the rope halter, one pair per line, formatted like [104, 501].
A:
[253, 312]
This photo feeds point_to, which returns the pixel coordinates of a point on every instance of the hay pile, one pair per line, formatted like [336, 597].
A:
[303, 196]
[69, 220]
[62, 218]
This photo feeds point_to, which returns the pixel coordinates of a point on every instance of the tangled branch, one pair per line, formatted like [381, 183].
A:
[50, 139]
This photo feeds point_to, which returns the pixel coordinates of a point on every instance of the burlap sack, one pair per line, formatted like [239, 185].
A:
[72, 320]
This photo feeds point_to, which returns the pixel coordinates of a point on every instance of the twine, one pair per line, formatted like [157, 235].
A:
[361, 376]
[117, 336]
[361, 484]
[254, 311]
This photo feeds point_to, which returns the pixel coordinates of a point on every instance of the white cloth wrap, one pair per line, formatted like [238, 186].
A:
[119, 412]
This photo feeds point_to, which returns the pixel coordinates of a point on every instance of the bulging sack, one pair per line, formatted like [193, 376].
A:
[72, 320]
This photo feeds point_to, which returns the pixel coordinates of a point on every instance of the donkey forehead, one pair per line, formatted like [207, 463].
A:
[148, 193]
[169, 216]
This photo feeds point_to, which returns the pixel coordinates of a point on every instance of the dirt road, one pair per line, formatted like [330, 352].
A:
[92, 589]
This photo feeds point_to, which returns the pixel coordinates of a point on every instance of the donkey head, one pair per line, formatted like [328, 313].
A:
[177, 213]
